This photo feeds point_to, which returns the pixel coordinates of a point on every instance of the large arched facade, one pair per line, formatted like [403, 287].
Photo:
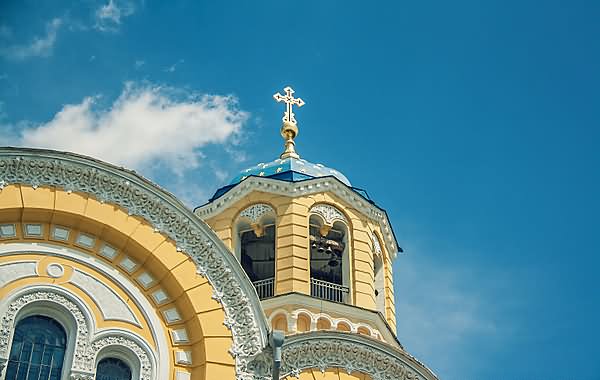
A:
[145, 280]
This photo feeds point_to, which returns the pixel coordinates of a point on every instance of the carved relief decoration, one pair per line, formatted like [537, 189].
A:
[255, 212]
[167, 215]
[84, 358]
[329, 213]
[98, 345]
[376, 245]
[7, 323]
[329, 350]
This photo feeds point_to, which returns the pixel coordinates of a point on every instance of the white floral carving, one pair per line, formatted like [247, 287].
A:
[328, 213]
[98, 345]
[84, 359]
[376, 245]
[330, 350]
[255, 212]
[7, 323]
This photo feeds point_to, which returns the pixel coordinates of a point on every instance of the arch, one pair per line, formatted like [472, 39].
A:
[254, 242]
[352, 353]
[81, 312]
[329, 255]
[324, 323]
[119, 345]
[328, 374]
[363, 330]
[83, 344]
[114, 368]
[257, 213]
[38, 348]
[280, 323]
[53, 303]
[164, 213]
[328, 213]
[303, 323]
[343, 326]
[379, 283]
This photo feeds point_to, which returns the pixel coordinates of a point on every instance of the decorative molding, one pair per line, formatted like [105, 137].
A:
[304, 188]
[351, 352]
[14, 271]
[110, 304]
[376, 245]
[362, 317]
[3, 362]
[138, 196]
[329, 213]
[255, 212]
[86, 348]
[7, 323]
[293, 316]
[55, 270]
[121, 341]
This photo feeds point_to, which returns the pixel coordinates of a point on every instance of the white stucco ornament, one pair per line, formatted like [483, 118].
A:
[55, 270]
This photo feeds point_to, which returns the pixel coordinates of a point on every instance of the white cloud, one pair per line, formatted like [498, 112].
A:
[146, 128]
[38, 47]
[110, 15]
[139, 63]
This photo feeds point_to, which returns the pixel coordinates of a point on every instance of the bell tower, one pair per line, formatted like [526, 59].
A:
[318, 250]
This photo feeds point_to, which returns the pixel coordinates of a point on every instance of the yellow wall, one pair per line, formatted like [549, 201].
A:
[292, 245]
[329, 374]
[155, 254]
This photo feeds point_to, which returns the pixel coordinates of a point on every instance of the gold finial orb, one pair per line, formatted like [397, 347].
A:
[289, 129]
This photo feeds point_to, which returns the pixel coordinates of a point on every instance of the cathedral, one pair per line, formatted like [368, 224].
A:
[285, 273]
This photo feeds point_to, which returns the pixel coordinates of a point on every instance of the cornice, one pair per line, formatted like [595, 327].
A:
[304, 188]
[140, 197]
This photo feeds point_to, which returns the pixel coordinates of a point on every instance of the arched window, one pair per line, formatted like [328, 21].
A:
[378, 272]
[113, 369]
[38, 350]
[329, 263]
[256, 247]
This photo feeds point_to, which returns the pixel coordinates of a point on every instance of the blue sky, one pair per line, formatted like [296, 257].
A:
[474, 124]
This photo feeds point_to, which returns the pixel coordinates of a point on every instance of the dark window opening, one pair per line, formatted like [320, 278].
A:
[37, 351]
[113, 369]
[258, 254]
[326, 253]
[257, 257]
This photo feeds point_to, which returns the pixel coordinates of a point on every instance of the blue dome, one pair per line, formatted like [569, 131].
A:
[289, 169]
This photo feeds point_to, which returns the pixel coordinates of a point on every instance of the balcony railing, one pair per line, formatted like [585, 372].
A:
[265, 288]
[328, 291]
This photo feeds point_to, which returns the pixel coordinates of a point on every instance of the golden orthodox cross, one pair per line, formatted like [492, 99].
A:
[289, 100]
